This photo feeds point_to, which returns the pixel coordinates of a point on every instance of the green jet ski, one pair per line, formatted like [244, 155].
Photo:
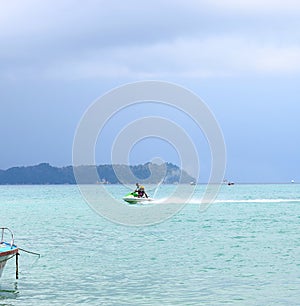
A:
[133, 198]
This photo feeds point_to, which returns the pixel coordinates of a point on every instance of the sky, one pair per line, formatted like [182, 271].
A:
[242, 58]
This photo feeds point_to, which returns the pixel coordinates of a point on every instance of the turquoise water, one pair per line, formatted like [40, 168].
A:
[243, 250]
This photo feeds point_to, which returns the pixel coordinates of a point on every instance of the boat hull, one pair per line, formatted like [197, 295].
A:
[7, 251]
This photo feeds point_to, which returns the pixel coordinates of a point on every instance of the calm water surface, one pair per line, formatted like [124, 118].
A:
[243, 250]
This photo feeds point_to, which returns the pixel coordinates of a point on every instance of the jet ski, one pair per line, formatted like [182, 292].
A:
[133, 198]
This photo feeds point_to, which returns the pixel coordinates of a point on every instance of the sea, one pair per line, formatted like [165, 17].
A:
[244, 249]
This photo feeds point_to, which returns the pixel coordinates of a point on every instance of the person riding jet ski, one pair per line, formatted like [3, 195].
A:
[141, 192]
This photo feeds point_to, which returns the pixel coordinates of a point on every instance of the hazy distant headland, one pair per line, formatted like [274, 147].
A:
[44, 173]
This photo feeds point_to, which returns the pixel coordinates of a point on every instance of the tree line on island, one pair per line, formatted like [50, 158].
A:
[44, 173]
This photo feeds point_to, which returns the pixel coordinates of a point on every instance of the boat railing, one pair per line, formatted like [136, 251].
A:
[6, 229]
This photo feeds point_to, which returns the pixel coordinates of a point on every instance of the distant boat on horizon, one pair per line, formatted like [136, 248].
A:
[228, 182]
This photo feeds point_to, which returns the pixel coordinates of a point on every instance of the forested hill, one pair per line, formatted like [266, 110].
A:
[46, 174]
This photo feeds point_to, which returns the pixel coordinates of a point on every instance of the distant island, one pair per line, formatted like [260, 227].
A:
[44, 174]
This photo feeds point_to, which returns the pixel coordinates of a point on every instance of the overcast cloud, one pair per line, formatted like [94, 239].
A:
[74, 40]
[241, 57]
